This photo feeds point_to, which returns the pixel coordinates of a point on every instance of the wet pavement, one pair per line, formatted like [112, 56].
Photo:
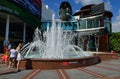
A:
[104, 70]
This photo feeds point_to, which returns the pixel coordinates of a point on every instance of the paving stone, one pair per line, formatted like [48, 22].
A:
[103, 70]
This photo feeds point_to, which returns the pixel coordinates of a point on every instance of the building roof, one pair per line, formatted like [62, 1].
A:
[81, 11]
[93, 9]
[87, 6]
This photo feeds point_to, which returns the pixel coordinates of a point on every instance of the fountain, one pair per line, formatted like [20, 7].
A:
[56, 51]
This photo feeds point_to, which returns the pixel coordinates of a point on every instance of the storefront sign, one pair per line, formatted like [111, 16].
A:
[9, 10]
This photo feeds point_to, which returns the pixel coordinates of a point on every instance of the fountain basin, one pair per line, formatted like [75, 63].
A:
[104, 56]
[34, 63]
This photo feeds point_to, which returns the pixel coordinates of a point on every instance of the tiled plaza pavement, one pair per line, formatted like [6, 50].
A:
[104, 70]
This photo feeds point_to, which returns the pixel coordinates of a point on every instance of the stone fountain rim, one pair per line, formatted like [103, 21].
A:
[56, 59]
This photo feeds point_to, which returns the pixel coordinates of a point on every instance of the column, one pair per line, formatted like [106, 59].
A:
[6, 41]
[86, 24]
[97, 43]
[24, 32]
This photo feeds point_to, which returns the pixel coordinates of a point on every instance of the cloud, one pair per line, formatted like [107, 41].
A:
[116, 23]
[118, 17]
[108, 5]
[86, 2]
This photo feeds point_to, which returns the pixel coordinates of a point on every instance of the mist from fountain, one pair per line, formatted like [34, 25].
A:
[56, 45]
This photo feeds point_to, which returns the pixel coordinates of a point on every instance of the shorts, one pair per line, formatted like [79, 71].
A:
[12, 59]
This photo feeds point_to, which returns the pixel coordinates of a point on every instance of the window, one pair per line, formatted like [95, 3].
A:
[107, 24]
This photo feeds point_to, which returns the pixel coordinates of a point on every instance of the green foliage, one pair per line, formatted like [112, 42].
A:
[115, 42]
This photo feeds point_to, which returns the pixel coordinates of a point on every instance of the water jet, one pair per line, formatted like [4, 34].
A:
[55, 51]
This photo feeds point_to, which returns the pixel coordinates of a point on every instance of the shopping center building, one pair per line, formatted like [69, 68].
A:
[92, 24]
[94, 27]
[19, 18]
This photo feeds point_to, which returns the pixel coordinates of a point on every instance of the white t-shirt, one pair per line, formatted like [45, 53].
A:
[13, 53]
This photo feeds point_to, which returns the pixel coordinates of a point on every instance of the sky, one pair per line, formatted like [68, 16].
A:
[111, 5]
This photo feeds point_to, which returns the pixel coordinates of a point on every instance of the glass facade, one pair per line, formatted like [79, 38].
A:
[93, 23]
[84, 23]
[107, 24]
[15, 32]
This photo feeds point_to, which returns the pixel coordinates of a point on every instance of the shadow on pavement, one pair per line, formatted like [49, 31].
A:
[10, 71]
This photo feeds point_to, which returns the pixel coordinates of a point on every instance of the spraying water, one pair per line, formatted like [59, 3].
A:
[57, 45]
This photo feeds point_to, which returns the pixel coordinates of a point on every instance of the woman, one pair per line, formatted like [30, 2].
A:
[19, 56]
[13, 56]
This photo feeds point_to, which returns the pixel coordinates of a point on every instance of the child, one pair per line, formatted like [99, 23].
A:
[7, 54]
[4, 59]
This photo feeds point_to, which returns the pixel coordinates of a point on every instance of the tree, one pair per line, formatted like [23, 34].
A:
[115, 42]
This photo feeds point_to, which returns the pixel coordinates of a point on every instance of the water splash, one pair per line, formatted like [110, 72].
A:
[57, 45]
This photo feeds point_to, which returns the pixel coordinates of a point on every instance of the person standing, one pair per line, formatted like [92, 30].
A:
[7, 54]
[19, 56]
[13, 56]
